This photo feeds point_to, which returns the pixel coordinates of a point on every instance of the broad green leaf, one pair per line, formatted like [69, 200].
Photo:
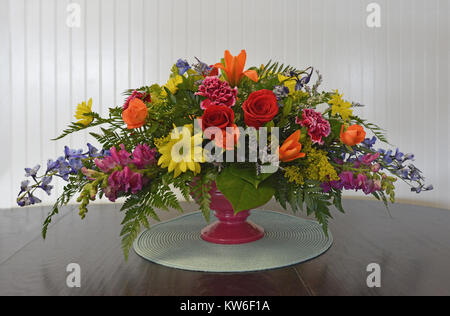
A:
[249, 175]
[242, 194]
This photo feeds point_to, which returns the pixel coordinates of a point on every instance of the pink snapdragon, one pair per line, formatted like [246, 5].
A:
[143, 156]
[369, 158]
[349, 182]
[216, 92]
[318, 127]
[122, 179]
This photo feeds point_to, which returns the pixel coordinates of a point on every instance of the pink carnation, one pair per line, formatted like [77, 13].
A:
[216, 92]
[135, 95]
[318, 127]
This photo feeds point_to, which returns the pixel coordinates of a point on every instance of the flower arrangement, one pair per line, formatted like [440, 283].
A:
[257, 134]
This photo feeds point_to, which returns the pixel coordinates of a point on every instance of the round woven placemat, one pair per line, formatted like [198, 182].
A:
[288, 240]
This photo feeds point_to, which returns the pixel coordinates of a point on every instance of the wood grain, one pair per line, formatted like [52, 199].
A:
[412, 248]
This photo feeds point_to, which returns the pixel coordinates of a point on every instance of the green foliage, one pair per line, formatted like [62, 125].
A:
[311, 197]
[201, 187]
[274, 68]
[378, 131]
[139, 207]
[73, 187]
[244, 190]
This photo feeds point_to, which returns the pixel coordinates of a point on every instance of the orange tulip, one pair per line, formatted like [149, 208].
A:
[136, 113]
[234, 68]
[290, 150]
[353, 135]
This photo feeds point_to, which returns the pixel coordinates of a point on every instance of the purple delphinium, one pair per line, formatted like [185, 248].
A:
[369, 142]
[281, 92]
[32, 172]
[183, 66]
[69, 164]
[202, 68]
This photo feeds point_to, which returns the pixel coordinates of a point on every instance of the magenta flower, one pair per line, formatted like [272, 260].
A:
[318, 127]
[347, 180]
[360, 181]
[122, 182]
[121, 157]
[106, 164]
[143, 156]
[369, 158]
[216, 92]
[375, 167]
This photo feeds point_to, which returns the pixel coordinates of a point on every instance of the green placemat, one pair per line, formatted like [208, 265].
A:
[288, 240]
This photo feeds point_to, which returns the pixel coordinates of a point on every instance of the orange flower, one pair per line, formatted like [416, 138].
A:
[234, 68]
[136, 113]
[354, 135]
[291, 148]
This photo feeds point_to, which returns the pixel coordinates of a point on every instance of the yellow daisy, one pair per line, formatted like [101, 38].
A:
[83, 109]
[182, 151]
[172, 85]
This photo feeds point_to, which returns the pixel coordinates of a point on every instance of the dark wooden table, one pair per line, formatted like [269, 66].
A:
[412, 248]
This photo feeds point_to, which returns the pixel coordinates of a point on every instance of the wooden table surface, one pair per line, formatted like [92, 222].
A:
[412, 247]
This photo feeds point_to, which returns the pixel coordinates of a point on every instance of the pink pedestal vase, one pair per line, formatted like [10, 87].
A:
[230, 229]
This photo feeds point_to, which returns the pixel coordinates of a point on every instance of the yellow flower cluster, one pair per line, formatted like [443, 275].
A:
[315, 167]
[294, 174]
[341, 107]
[319, 168]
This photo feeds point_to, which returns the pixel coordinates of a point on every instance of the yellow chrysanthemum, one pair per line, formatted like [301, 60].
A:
[341, 107]
[83, 109]
[172, 85]
[288, 82]
[182, 151]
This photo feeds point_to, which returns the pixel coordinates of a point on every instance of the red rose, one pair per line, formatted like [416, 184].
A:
[260, 107]
[220, 116]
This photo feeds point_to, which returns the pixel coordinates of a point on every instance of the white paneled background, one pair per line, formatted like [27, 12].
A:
[400, 71]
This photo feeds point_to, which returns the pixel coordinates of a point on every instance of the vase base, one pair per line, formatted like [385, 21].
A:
[232, 234]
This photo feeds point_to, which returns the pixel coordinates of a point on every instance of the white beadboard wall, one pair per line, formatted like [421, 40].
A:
[400, 71]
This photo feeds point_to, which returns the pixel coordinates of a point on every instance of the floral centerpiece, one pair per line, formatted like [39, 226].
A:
[256, 134]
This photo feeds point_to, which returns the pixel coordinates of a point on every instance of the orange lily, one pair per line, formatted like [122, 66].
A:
[290, 150]
[234, 68]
